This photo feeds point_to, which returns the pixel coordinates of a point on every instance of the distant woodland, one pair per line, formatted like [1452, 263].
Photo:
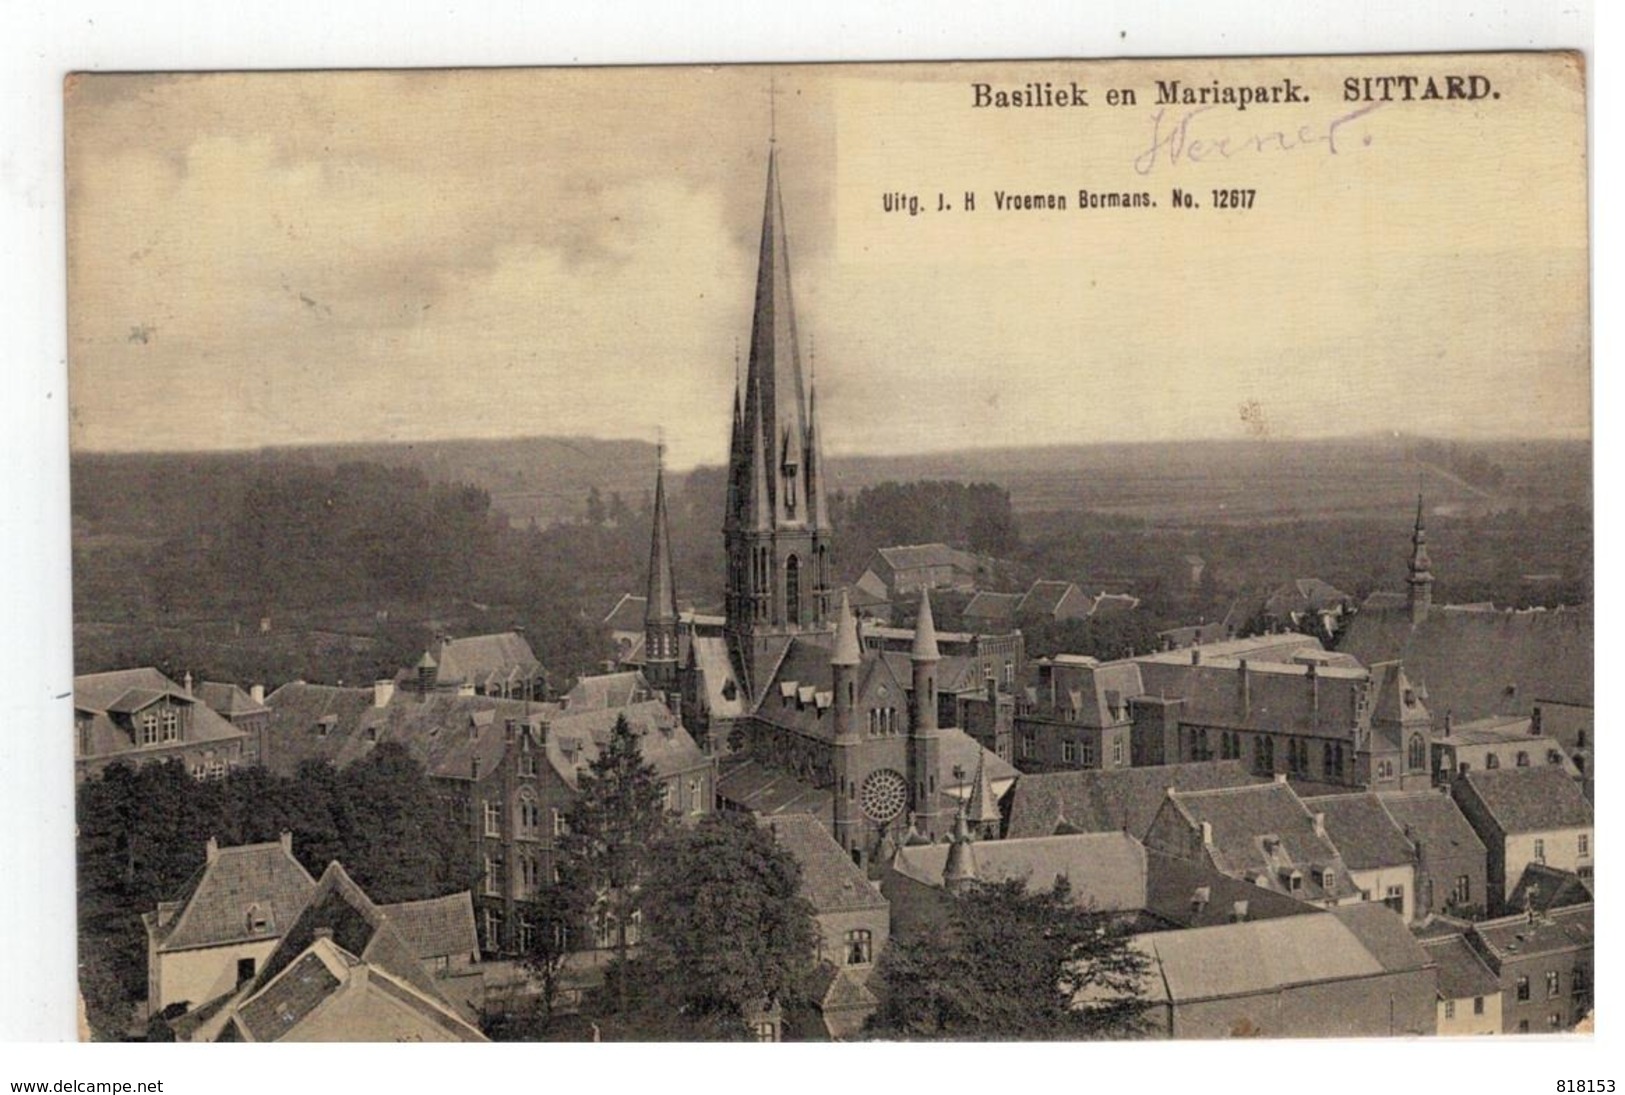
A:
[342, 564]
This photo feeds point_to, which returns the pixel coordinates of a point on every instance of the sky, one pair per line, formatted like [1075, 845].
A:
[275, 259]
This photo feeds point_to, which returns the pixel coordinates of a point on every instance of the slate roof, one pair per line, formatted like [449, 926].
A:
[1084, 691]
[228, 699]
[436, 926]
[918, 556]
[1106, 870]
[1477, 663]
[1544, 888]
[1513, 937]
[1363, 831]
[109, 700]
[1462, 973]
[837, 988]
[628, 614]
[214, 907]
[448, 733]
[998, 609]
[1382, 931]
[829, 878]
[1435, 820]
[1245, 821]
[276, 1011]
[1124, 799]
[766, 791]
[1194, 895]
[1257, 649]
[1253, 957]
[479, 659]
[709, 655]
[1305, 595]
[602, 690]
[1043, 598]
[1529, 800]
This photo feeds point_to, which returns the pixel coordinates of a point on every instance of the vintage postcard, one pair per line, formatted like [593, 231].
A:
[1018, 551]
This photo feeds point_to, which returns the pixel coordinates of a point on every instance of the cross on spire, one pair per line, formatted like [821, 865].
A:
[772, 108]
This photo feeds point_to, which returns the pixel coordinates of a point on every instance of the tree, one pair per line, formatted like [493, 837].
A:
[1006, 963]
[556, 913]
[610, 835]
[395, 837]
[728, 928]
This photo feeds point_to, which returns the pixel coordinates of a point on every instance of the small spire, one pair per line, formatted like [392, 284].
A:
[847, 649]
[925, 632]
[983, 807]
[960, 866]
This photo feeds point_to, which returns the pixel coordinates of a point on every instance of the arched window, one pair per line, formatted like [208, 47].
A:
[792, 590]
[1419, 753]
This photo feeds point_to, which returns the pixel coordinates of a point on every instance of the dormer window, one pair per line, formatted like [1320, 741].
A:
[255, 920]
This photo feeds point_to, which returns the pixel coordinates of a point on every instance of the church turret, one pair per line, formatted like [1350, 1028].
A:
[776, 528]
[660, 617]
[1420, 597]
[924, 742]
[982, 810]
[959, 870]
[844, 663]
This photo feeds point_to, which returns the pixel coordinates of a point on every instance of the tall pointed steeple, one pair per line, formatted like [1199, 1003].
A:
[983, 808]
[1420, 582]
[660, 615]
[776, 526]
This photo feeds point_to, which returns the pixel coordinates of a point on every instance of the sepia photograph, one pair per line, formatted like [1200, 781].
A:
[988, 551]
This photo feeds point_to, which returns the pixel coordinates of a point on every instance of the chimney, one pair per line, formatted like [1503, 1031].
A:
[1207, 834]
[1314, 687]
[1320, 825]
[186, 683]
[1238, 912]
[1534, 721]
[256, 692]
[1280, 777]
[287, 841]
[1449, 721]
[474, 768]
[211, 850]
[382, 692]
[1246, 691]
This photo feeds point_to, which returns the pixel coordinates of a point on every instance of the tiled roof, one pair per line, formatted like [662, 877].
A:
[1044, 597]
[709, 655]
[448, 733]
[1107, 603]
[1278, 698]
[99, 691]
[109, 700]
[768, 791]
[1384, 934]
[1434, 819]
[1086, 692]
[1124, 799]
[1520, 936]
[1305, 595]
[1254, 957]
[1363, 831]
[1462, 973]
[436, 926]
[1107, 870]
[1530, 800]
[1257, 649]
[274, 1012]
[227, 699]
[1476, 663]
[836, 988]
[916, 556]
[603, 690]
[1262, 832]
[998, 609]
[215, 908]
[479, 658]
[829, 878]
[1544, 888]
[1194, 895]
[628, 613]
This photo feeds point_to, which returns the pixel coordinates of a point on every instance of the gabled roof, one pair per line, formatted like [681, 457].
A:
[628, 614]
[1193, 895]
[602, 690]
[1305, 595]
[1363, 831]
[1253, 957]
[1089, 693]
[918, 556]
[1383, 932]
[110, 701]
[99, 691]
[1477, 663]
[1116, 800]
[235, 889]
[998, 608]
[228, 699]
[1544, 888]
[477, 658]
[1277, 698]
[1107, 870]
[1462, 973]
[436, 926]
[829, 878]
[1263, 832]
[1432, 819]
[1044, 597]
[709, 656]
[1529, 800]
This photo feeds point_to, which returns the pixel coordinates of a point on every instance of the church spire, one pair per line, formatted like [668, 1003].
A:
[660, 615]
[1420, 582]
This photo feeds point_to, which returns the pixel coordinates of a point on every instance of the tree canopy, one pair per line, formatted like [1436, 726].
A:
[1006, 963]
